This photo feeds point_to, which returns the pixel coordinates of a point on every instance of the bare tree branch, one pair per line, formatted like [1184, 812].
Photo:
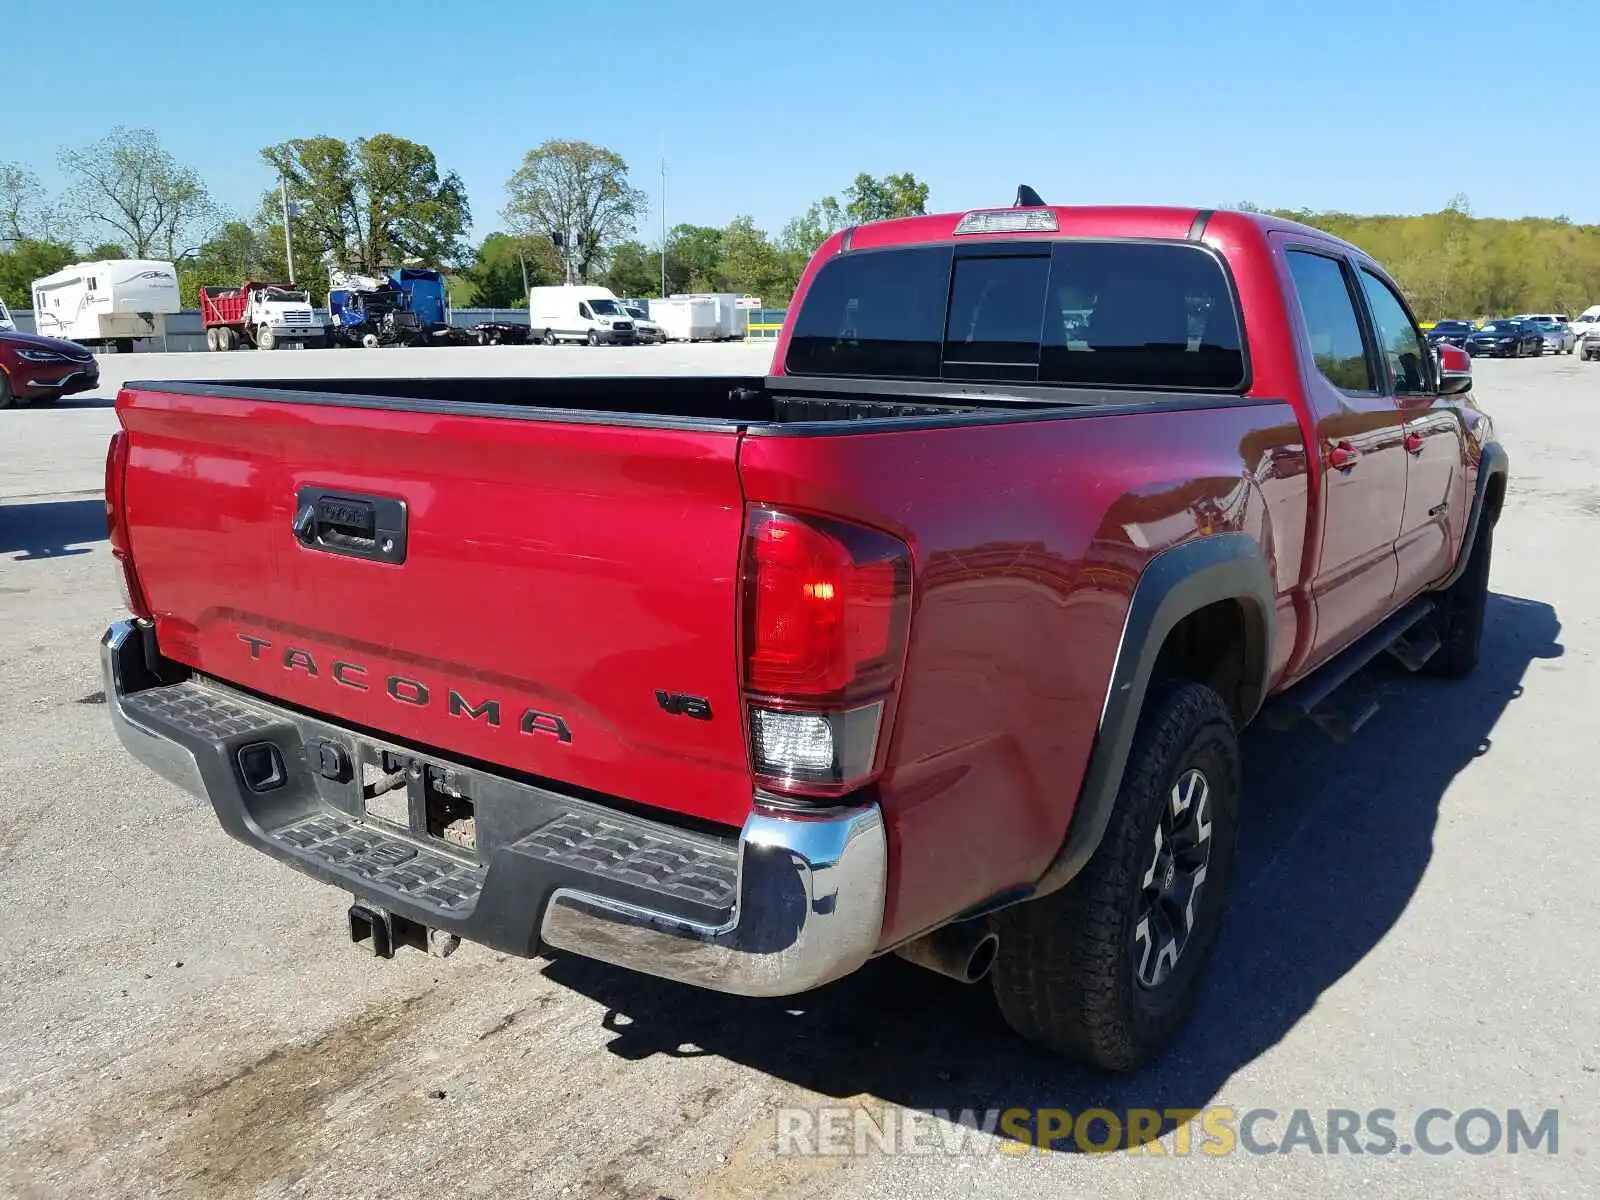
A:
[128, 185]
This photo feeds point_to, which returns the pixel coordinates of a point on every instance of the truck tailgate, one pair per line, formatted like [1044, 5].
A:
[554, 578]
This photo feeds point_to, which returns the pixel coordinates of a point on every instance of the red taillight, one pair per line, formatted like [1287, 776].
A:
[117, 525]
[826, 606]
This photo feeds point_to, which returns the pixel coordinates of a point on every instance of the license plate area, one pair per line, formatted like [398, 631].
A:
[426, 799]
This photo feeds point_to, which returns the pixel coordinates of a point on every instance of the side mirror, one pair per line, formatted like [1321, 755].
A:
[1455, 371]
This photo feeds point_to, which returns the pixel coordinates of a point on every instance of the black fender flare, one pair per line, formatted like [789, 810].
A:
[1173, 585]
[1492, 463]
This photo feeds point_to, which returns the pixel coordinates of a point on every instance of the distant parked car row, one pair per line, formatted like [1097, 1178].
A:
[1524, 335]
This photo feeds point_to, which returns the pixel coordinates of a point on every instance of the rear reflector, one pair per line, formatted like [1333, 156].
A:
[117, 526]
[1009, 220]
[825, 610]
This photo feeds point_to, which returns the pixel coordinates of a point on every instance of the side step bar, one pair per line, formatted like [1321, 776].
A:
[1403, 635]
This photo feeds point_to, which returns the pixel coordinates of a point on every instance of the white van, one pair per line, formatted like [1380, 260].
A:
[575, 313]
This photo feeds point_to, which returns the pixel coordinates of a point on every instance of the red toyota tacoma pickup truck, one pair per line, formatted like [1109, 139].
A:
[936, 640]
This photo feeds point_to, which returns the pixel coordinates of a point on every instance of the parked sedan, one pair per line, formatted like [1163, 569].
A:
[1506, 339]
[43, 369]
[1558, 335]
[1451, 333]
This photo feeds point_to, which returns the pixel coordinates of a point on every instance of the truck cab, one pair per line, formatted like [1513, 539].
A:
[280, 314]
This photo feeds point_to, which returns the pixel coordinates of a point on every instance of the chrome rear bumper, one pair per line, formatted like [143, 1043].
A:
[795, 903]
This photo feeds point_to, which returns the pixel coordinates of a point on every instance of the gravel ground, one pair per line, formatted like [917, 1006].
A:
[1413, 927]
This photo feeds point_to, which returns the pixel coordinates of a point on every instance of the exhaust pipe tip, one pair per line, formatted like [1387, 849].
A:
[965, 951]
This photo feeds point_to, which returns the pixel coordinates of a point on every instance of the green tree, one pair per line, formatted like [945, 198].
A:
[695, 259]
[577, 195]
[26, 261]
[126, 188]
[634, 270]
[872, 199]
[26, 213]
[1453, 264]
[750, 262]
[803, 234]
[496, 272]
[377, 202]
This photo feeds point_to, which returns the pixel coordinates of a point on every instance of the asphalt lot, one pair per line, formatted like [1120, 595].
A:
[1413, 926]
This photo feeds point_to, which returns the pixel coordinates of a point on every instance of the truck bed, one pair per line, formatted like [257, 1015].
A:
[709, 402]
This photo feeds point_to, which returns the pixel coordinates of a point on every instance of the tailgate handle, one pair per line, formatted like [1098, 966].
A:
[357, 526]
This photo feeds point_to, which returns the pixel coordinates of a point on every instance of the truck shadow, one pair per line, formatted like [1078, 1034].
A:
[1335, 842]
[51, 529]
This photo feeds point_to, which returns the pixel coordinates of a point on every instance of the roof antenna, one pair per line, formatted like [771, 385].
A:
[1028, 198]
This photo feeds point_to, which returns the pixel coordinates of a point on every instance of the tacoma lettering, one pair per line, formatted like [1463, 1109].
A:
[403, 689]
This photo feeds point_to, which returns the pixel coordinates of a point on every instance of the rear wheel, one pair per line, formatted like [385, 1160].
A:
[549, 338]
[1459, 618]
[211, 338]
[1106, 969]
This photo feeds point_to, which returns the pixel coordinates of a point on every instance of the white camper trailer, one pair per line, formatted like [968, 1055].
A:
[102, 302]
[685, 318]
[733, 322]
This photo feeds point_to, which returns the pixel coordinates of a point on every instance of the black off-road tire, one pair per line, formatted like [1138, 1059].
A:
[1068, 975]
[1462, 605]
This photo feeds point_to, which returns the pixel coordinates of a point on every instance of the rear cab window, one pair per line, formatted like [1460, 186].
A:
[1104, 314]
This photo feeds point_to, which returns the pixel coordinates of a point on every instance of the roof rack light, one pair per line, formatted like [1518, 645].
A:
[1009, 220]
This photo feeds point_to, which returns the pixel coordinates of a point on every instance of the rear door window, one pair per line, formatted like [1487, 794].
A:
[1338, 346]
[1104, 314]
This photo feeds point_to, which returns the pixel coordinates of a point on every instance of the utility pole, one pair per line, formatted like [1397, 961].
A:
[288, 242]
[663, 224]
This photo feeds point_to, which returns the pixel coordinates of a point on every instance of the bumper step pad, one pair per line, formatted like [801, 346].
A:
[385, 860]
[610, 849]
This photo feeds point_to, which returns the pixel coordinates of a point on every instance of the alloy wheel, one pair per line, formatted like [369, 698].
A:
[1176, 872]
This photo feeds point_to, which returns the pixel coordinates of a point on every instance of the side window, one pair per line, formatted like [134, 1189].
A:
[1401, 344]
[583, 311]
[1337, 344]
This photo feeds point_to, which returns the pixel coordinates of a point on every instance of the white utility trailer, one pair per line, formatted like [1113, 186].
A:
[109, 302]
[733, 322]
[686, 318]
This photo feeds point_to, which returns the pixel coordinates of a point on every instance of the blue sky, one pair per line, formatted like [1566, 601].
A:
[761, 107]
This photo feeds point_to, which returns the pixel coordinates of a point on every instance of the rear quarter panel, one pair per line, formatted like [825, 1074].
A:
[1027, 539]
